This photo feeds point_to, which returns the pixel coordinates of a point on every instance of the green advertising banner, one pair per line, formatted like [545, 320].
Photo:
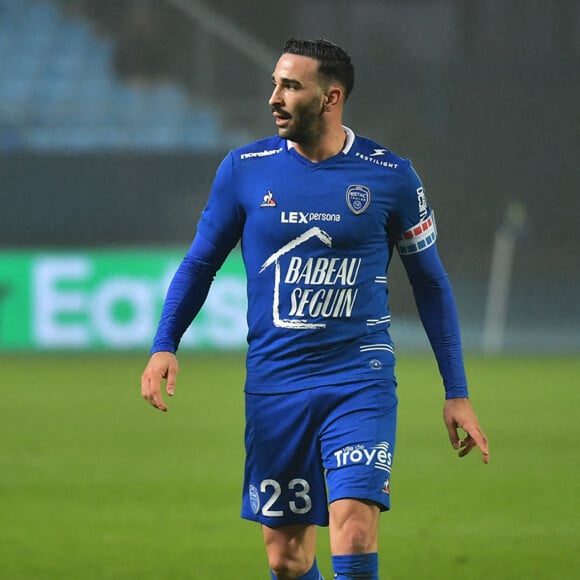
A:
[109, 300]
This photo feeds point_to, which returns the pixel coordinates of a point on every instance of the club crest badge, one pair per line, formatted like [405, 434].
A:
[358, 198]
[254, 498]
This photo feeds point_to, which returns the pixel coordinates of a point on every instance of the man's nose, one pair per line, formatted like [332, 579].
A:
[275, 97]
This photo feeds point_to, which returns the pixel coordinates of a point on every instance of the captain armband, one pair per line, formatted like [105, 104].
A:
[419, 237]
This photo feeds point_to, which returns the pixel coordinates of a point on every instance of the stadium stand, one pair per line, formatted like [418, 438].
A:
[59, 91]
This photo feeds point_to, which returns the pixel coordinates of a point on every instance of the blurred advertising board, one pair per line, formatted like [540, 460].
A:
[109, 300]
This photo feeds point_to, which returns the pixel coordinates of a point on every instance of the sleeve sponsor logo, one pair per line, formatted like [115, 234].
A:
[422, 201]
[373, 159]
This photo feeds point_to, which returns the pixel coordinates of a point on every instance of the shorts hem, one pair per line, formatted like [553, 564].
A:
[383, 506]
[270, 523]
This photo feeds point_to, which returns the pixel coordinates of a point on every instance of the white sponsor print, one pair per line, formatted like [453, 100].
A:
[378, 456]
[254, 154]
[317, 271]
[319, 287]
[422, 201]
[300, 217]
[372, 159]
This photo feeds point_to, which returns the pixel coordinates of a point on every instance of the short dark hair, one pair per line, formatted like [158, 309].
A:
[335, 62]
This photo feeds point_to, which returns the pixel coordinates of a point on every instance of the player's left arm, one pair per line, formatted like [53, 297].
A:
[458, 413]
[438, 312]
[414, 233]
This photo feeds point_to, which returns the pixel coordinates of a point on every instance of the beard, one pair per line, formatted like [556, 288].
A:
[305, 124]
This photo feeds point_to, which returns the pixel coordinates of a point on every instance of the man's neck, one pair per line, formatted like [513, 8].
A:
[326, 147]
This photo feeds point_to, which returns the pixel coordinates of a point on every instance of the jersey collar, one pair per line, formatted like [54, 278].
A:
[347, 145]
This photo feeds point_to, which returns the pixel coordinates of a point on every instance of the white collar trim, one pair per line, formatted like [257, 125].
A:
[347, 145]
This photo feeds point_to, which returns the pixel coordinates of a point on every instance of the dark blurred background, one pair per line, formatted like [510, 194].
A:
[114, 115]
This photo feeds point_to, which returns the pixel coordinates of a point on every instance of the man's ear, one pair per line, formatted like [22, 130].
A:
[332, 97]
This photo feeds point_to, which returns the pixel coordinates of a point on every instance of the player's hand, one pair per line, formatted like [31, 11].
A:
[458, 413]
[161, 365]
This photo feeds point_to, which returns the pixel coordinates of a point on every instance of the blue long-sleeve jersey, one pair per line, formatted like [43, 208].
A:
[317, 240]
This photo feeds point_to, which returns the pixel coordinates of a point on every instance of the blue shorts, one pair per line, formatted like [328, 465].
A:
[309, 448]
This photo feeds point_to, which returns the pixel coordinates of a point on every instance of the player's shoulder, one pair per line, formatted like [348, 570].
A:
[368, 151]
[265, 148]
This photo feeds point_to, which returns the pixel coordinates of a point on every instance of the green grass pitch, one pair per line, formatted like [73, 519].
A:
[95, 484]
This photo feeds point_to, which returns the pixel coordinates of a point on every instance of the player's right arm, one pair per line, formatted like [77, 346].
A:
[218, 232]
[185, 297]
